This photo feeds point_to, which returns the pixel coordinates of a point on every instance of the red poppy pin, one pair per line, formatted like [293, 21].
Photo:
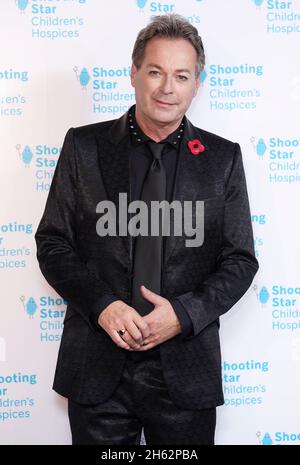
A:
[195, 146]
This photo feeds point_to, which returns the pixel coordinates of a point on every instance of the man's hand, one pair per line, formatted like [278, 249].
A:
[162, 321]
[118, 315]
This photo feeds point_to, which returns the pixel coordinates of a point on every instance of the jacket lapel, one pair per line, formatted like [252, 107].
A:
[113, 152]
[191, 174]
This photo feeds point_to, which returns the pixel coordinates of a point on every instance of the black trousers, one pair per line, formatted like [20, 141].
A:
[141, 400]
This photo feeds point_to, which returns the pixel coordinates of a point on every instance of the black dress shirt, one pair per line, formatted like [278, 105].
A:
[140, 160]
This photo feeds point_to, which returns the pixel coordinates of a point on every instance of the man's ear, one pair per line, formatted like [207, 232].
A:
[133, 72]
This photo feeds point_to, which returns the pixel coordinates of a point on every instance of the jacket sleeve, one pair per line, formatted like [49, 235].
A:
[100, 305]
[236, 263]
[55, 238]
[183, 317]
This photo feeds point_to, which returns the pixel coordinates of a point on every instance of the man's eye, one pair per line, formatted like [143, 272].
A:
[182, 78]
[154, 73]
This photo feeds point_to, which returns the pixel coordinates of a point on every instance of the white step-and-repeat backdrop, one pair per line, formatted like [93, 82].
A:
[66, 63]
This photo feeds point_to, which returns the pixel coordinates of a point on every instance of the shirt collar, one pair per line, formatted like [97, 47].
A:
[138, 137]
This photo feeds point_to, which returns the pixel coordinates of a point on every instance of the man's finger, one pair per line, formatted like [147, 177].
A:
[142, 325]
[155, 299]
[119, 341]
[148, 345]
[133, 332]
[128, 335]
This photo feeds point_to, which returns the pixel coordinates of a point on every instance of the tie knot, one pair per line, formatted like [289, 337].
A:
[156, 149]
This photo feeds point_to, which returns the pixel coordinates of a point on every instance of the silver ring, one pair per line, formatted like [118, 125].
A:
[121, 332]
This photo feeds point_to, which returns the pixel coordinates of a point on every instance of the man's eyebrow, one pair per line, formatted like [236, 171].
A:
[182, 70]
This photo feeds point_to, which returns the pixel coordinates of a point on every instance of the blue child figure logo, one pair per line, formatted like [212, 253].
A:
[29, 307]
[263, 296]
[203, 76]
[267, 440]
[258, 3]
[26, 155]
[141, 4]
[83, 77]
[259, 147]
[22, 5]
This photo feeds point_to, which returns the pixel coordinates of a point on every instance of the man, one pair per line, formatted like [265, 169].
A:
[140, 346]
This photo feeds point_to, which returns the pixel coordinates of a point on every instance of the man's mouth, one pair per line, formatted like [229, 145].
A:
[166, 104]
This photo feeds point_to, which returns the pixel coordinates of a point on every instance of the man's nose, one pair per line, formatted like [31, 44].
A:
[167, 85]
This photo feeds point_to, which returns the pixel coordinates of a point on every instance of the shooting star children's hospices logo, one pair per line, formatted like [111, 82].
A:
[108, 86]
[281, 17]
[240, 387]
[49, 21]
[284, 304]
[233, 86]
[49, 312]
[43, 158]
[282, 156]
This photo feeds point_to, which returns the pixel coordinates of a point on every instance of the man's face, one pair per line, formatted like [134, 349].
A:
[165, 83]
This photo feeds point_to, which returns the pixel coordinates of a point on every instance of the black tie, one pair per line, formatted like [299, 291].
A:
[147, 266]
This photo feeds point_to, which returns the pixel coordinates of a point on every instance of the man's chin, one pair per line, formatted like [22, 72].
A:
[166, 116]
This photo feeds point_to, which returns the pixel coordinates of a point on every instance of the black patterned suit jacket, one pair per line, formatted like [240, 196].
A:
[83, 266]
